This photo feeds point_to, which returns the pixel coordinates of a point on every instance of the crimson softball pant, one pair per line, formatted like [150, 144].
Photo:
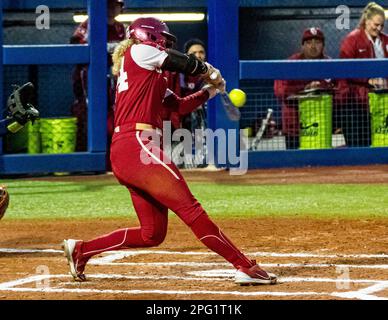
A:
[156, 186]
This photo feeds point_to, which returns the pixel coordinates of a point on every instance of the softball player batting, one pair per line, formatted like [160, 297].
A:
[157, 186]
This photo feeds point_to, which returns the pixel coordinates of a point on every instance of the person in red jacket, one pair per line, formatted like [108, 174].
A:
[116, 33]
[366, 41]
[313, 44]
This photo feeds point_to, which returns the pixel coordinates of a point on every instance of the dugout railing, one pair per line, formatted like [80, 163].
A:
[223, 39]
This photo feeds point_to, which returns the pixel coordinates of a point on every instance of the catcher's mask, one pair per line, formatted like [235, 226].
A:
[151, 30]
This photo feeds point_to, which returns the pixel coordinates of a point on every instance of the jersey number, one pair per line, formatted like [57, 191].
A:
[123, 78]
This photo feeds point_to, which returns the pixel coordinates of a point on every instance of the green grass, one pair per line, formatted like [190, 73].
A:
[53, 200]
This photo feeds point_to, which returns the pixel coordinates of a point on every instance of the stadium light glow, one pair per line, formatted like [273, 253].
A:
[79, 18]
[128, 17]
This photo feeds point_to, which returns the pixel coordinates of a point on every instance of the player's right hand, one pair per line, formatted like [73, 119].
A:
[222, 86]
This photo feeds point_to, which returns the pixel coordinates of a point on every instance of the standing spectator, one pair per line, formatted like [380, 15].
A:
[313, 45]
[116, 33]
[195, 120]
[366, 41]
[190, 84]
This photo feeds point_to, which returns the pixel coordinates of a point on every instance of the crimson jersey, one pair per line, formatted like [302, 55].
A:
[141, 86]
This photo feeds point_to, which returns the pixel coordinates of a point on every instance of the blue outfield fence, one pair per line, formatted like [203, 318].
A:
[223, 53]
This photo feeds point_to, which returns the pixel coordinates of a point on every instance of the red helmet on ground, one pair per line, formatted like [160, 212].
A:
[153, 30]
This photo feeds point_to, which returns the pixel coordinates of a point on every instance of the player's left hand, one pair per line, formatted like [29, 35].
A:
[20, 104]
[215, 89]
[213, 76]
[211, 89]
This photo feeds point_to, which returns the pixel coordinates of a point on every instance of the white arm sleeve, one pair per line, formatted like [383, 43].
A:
[147, 57]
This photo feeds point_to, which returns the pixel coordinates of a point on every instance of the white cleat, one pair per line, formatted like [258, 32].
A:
[73, 259]
[253, 276]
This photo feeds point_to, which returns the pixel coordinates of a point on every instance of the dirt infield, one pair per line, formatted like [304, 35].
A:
[314, 258]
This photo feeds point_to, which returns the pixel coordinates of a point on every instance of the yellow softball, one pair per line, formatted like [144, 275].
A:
[238, 97]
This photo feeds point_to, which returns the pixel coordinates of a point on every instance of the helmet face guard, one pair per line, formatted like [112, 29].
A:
[151, 30]
[170, 40]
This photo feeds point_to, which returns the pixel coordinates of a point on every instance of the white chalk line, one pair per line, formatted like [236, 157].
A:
[202, 276]
[123, 254]
[357, 295]
[350, 295]
[146, 277]
[109, 260]
[19, 282]
[229, 273]
[199, 276]
[11, 286]
[12, 250]
[218, 264]
[118, 255]
[375, 288]
[166, 292]
[364, 294]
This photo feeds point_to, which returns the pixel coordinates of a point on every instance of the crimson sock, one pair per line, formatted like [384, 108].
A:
[119, 239]
[212, 236]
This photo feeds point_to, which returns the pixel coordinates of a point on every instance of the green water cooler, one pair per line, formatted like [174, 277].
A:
[26, 140]
[58, 135]
[315, 120]
[34, 139]
[378, 105]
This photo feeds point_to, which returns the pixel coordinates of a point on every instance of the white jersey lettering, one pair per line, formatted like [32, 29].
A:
[122, 81]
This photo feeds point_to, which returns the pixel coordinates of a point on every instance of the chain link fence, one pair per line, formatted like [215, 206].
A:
[306, 120]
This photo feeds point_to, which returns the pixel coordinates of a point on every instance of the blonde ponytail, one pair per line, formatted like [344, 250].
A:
[372, 9]
[119, 53]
